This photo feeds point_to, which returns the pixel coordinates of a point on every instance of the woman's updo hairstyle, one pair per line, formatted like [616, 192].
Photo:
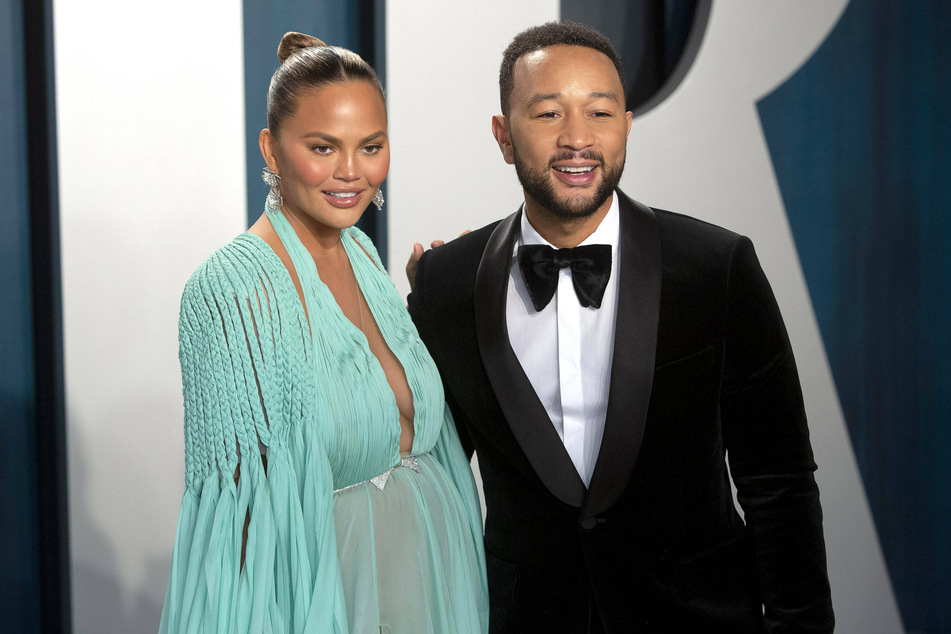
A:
[307, 64]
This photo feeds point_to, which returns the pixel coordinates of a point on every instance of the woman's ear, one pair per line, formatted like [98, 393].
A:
[267, 142]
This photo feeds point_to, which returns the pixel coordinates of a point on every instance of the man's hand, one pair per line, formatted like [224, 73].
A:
[417, 253]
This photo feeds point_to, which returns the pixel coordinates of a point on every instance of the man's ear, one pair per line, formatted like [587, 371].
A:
[503, 137]
[266, 143]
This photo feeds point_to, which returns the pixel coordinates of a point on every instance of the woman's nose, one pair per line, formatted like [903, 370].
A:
[346, 169]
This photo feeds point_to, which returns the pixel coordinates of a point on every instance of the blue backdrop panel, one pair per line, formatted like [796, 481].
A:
[19, 547]
[860, 140]
[649, 35]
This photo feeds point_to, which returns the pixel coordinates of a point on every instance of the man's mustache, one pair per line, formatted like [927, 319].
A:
[568, 155]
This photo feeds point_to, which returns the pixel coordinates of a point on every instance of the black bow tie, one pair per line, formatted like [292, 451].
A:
[590, 271]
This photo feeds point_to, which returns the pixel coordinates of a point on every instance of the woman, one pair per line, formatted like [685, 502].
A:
[326, 489]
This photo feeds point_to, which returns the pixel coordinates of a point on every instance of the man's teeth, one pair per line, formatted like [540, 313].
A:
[575, 170]
[343, 194]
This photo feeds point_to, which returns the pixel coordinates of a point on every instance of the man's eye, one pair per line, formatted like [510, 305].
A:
[548, 115]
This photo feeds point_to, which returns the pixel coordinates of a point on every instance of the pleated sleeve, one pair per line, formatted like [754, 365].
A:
[254, 548]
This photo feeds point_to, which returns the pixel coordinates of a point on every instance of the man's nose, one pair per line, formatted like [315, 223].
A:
[576, 133]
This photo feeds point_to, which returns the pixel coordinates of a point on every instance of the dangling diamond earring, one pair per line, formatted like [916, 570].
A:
[378, 199]
[272, 180]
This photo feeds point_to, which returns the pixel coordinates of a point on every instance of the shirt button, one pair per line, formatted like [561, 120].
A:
[589, 523]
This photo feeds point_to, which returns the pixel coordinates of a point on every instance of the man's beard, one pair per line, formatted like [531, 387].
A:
[538, 185]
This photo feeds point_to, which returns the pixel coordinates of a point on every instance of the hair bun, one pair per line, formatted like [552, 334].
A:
[293, 42]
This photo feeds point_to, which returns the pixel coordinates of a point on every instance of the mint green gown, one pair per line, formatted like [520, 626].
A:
[258, 380]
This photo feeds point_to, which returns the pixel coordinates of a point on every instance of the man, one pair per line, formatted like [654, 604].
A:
[602, 387]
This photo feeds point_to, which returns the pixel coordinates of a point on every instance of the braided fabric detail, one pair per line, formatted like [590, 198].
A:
[236, 365]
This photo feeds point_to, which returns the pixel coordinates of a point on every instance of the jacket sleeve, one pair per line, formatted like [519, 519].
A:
[255, 546]
[422, 314]
[771, 460]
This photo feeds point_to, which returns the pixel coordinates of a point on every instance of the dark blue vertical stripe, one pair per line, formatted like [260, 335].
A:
[19, 574]
[34, 589]
[860, 140]
[353, 25]
[380, 235]
[371, 45]
[48, 375]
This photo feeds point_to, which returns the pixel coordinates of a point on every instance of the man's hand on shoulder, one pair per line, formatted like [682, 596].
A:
[417, 253]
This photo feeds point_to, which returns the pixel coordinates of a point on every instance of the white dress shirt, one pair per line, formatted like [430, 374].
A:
[566, 350]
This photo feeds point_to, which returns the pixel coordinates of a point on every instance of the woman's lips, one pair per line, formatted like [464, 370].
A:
[343, 200]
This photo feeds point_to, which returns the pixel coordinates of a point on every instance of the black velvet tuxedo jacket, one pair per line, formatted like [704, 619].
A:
[702, 367]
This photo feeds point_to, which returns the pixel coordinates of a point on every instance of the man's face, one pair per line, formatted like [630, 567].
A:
[566, 131]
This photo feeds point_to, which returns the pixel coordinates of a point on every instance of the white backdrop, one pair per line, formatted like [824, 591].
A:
[442, 75]
[151, 124]
[150, 112]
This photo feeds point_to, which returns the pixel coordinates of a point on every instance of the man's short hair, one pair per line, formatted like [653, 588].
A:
[551, 34]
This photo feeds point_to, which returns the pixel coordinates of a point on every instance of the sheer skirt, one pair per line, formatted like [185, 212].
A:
[406, 554]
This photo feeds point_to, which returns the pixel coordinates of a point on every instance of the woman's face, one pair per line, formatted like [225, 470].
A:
[332, 155]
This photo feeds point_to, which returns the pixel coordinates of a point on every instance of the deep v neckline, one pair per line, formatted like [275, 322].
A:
[321, 295]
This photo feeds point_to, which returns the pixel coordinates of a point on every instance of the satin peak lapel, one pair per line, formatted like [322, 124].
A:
[525, 413]
[635, 346]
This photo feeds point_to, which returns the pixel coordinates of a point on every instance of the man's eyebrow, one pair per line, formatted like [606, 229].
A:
[555, 95]
[605, 95]
[543, 97]
[329, 138]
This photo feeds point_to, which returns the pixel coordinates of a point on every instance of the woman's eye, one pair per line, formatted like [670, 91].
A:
[372, 149]
[322, 149]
